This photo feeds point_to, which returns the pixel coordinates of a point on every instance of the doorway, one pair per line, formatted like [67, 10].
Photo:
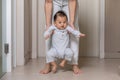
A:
[89, 24]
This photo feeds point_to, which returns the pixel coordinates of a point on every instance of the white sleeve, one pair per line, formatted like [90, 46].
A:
[74, 32]
[49, 31]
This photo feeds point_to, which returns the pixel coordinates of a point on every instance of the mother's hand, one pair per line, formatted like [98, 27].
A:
[47, 26]
[72, 25]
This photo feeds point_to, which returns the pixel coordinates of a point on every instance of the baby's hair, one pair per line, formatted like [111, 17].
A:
[61, 14]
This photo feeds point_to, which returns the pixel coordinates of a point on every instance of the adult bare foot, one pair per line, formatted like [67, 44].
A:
[46, 70]
[76, 69]
[54, 66]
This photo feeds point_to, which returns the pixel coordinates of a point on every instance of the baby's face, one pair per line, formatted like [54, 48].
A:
[61, 22]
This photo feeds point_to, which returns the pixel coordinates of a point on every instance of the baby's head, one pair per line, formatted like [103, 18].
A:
[60, 20]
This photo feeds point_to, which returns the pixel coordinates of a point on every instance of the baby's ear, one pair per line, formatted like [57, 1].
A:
[67, 23]
[54, 23]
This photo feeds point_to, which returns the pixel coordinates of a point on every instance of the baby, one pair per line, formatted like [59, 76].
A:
[59, 33]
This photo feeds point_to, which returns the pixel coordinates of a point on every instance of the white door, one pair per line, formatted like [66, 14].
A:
[5, 36]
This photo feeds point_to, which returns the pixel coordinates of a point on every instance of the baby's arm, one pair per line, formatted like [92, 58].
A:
[48, 32]
[75, 32]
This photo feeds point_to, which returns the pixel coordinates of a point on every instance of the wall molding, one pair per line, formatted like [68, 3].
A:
[20, 32]
[102, 29]
[34, 28]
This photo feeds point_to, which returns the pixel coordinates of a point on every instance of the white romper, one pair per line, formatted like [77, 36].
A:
[60, 47]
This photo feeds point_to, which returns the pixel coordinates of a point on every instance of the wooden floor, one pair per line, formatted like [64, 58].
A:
[92, 68]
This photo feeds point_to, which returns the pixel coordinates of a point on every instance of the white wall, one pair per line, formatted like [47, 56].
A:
[89, 24]
[41, 28]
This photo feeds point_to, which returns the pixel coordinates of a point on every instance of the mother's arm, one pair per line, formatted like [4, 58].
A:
[72, 11]
[48, 12]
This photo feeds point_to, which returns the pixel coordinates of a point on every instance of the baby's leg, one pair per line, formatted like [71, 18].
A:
[68, 57]
[68, 54]
[75, 48]
[51, 57]
[62, 64]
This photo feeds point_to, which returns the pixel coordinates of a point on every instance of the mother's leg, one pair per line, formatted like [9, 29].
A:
[74, 42]
[48, 9]
[75, 48]
[46, 69]
[56, 8]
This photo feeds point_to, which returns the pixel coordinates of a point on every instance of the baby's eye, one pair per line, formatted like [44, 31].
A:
[59, 22]
[64, 22]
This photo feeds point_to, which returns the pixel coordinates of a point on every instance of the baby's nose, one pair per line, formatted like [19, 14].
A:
[62, 24]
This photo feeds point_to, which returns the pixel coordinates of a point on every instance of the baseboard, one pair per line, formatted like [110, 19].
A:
[112, 55]
[119, 70]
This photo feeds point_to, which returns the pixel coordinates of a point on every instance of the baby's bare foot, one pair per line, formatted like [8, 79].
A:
[54, 68]
[62, 64]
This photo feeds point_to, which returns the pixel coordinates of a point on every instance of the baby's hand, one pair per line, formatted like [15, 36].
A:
[82, 35]
[47, 37]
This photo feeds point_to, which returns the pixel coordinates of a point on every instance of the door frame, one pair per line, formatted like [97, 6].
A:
[34, 55]
[14, 33]
[6, 23]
